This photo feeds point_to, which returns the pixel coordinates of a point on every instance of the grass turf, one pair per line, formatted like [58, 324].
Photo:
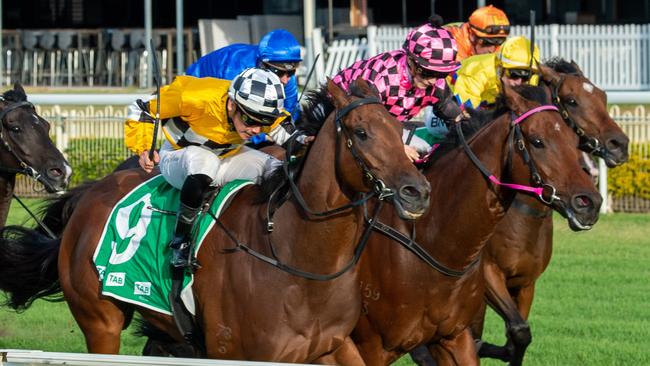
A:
[590, 306]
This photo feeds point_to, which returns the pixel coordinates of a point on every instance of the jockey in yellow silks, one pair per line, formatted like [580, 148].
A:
[206, 122]
[479, 80]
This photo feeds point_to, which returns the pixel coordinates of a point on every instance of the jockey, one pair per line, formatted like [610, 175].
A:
[205, 122]
[278, 51]
[412, 78]
[486, 29]
[478, 81]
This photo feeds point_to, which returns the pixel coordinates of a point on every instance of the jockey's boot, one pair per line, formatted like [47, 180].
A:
[192, 196]
[181, 243]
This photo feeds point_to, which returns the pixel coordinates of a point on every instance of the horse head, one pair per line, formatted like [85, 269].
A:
[584, 107]
[25, 143]
[371, 152]
[546, 155]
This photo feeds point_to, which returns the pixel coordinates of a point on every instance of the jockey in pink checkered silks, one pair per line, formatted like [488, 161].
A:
[412, 78]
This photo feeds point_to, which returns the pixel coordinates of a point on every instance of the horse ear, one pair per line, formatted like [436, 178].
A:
[365, 88]
[339, 96]
[514, 101]
[574, 64]
[19, 88]
[549, 75]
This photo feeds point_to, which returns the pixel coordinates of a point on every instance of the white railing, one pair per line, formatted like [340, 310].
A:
[28, 357]
[616, 57]
[97, 131]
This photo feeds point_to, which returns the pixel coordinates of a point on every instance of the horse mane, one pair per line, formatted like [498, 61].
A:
[14, 95]
[56, 211]
[480, 119]
[317, 108]
[561, 65]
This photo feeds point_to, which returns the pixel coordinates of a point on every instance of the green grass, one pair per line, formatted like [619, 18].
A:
[591, 306]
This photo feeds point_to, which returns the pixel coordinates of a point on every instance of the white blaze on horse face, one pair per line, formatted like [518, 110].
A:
[131, 234]
[588, 87]
[556, 127]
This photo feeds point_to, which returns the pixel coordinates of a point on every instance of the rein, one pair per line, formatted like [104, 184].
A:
[25, 168]
[516, 138]
[589, 144]
[379, 189]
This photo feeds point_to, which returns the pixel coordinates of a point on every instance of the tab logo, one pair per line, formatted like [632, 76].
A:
[115, 279]
[142, 288]
[101, 270]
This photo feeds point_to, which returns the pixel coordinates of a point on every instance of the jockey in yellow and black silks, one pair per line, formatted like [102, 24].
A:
[206, 122]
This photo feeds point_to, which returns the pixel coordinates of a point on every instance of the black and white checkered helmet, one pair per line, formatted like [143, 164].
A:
[259, 92]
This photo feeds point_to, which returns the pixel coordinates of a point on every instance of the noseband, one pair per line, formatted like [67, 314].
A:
[25, 168]
[588, 144]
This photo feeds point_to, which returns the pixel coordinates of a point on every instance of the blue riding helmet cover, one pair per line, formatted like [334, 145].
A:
[279, 46]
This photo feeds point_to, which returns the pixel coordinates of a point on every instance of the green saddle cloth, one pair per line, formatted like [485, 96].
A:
[132, 257]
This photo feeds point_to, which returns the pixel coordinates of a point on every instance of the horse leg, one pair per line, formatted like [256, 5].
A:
[517, 329]
[346, 354]
[519, 334]
[459, 351]
[422, 356]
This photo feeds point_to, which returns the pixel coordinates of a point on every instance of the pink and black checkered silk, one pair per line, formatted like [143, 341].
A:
[433, 48]
[388, 74]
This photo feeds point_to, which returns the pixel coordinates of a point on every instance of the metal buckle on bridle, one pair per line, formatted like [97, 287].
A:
[553, 196]
[381, 189]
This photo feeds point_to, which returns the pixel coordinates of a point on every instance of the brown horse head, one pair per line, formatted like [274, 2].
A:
[584, 107]
[26, 144]
[551, 147]
[371, 144]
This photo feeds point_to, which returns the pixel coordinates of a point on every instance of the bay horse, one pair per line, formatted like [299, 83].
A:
[246, 308]
[409, 301]
[520, 249]
[26, 148]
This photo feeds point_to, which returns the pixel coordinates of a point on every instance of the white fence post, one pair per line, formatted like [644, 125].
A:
[317, 38]
[372, 41]
[555, 43]
[602, 186]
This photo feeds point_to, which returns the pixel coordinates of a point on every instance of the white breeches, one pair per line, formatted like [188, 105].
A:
[250, 164]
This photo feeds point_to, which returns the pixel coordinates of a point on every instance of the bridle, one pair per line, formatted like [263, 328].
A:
[515, 138]
[588, 144]
[24, 168]
[379, 189]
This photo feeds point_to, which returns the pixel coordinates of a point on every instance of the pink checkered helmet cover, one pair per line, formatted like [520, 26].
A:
[432, 48]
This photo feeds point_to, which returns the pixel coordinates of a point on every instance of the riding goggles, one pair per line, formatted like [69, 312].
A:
[430, 74]
[496, 41]
[281, 69]
[494, 30]
[523, 74]
[255, 120]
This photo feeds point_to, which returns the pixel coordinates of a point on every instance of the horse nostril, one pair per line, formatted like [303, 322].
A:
[407, 191]
[55, 173]
[582, 202]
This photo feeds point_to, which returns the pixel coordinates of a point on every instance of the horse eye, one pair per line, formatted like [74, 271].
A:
[14, 129]
[361, 133]
[538, 143]
[572, 102]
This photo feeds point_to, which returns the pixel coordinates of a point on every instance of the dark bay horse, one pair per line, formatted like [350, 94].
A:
[26, 148]
[520, 249]
[406, 301]
[246, 308]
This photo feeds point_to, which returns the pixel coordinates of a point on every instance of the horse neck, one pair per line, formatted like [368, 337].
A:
[7, 184]
[323, 242]
[465, 208]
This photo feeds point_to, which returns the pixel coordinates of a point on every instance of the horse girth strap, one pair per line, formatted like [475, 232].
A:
[420, 252]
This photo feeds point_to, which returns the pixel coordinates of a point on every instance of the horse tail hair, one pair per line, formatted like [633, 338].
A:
[29, 257]
[29, 269]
